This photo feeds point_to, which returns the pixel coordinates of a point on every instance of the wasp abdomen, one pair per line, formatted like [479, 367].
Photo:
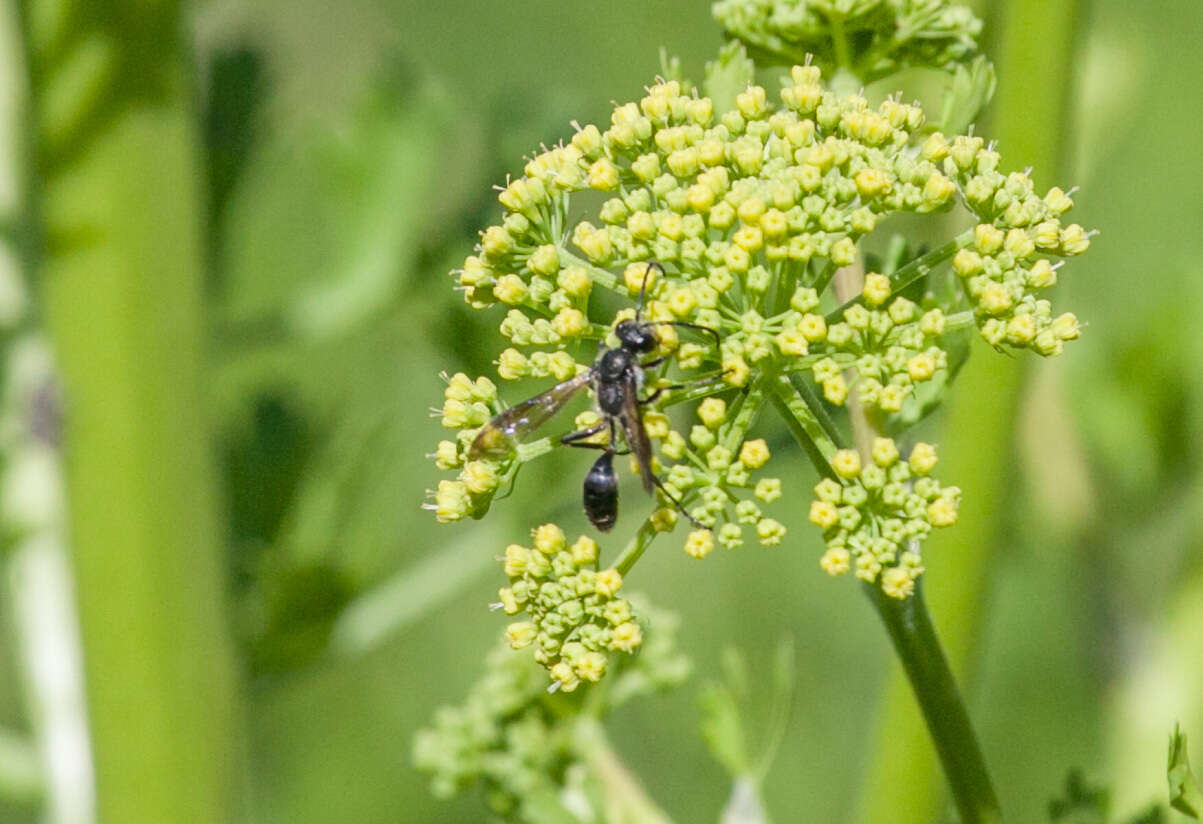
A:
[601, 493]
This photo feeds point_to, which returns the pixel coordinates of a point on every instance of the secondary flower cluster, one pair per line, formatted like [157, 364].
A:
[467, 405]
[711, 468]
[575, 618]
[888, 347]
[1006, 265]
[915, 32]
[519, 741]
[502, 734]
[875, 517]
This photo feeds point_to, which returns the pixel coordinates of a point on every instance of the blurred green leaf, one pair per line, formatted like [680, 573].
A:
[1083, 803]
[722, 728]
[1185, 796]
[728, 75]
[325, 227]
[969, 92]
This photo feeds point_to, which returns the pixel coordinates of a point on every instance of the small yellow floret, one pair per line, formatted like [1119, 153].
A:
[836, 561]
[897, 583]
[823, 514]
[607, 582]
[549, 538]
[754, 454]
[521, 634]
[846, 463]
[942, 511]
[712, 412]
[627, 637]
[584, 551]
[885, 452]
[923, 458]
[516, 560]
[564, 676]
[877, 289]
[699, 544]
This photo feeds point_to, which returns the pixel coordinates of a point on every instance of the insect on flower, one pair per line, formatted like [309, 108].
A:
[616, 377]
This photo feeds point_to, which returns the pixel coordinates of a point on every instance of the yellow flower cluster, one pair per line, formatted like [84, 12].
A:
[467, 405]
[709, 471]
[887, 348]
[875, 515]
[575, 618]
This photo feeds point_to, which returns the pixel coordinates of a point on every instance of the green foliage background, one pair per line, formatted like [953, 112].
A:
[349, 152]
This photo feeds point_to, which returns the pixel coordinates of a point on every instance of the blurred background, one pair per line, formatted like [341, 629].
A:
[266, 616]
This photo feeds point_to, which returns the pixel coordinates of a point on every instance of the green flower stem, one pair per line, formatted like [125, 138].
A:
[120, 266]
[914, 638]
[624, 798]
[802, 423]
[745, 416]
[918, 268]
[1035, 72]
[599, 276]
[635, 548]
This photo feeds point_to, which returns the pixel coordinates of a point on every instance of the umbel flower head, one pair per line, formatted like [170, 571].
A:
[575, 618]
[903, 33]
[750, 212]
[874, 517]
[517, 740]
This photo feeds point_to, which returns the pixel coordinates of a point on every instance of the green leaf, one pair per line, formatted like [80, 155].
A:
[969, 91]
[1083, 803]
[722, 729]
[324, 227]
[728, 76]
[1185, 796]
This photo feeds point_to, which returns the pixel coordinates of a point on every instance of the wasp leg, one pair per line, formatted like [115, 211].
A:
[572, 437]
[717, 337]
[672, 387]
[677, 503]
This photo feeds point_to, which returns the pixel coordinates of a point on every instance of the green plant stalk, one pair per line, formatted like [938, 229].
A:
[119, 268]
[935, 690]
[1035, 73]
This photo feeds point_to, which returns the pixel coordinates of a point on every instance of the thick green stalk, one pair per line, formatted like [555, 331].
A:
[119, 268]
[935, 691]
[1035, 73]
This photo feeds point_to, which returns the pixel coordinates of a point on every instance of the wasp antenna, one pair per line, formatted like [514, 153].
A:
[643, 286]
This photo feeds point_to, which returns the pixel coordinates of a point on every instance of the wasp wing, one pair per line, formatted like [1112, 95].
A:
[637, 439]
[498, 437]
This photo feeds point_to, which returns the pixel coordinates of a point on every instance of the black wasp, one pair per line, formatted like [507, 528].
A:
[616, 378]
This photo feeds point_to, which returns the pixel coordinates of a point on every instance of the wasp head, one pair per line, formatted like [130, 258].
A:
[636, 336]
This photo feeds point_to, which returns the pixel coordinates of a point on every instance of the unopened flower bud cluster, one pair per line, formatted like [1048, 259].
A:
[515, 739]
[574, 617]
[503, 736]
[902, 33]
[875, 515]
[467, 406]
[708, 472]
[887, 345]
[1009, 261]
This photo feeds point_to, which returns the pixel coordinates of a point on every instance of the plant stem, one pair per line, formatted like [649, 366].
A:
[914, 639]
[911, 272]
[1035, 77]
[120, 271]
[803, 423]
[635, 549]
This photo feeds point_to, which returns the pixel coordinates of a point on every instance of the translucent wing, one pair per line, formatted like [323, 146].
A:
[498, 437]
[637, 439]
